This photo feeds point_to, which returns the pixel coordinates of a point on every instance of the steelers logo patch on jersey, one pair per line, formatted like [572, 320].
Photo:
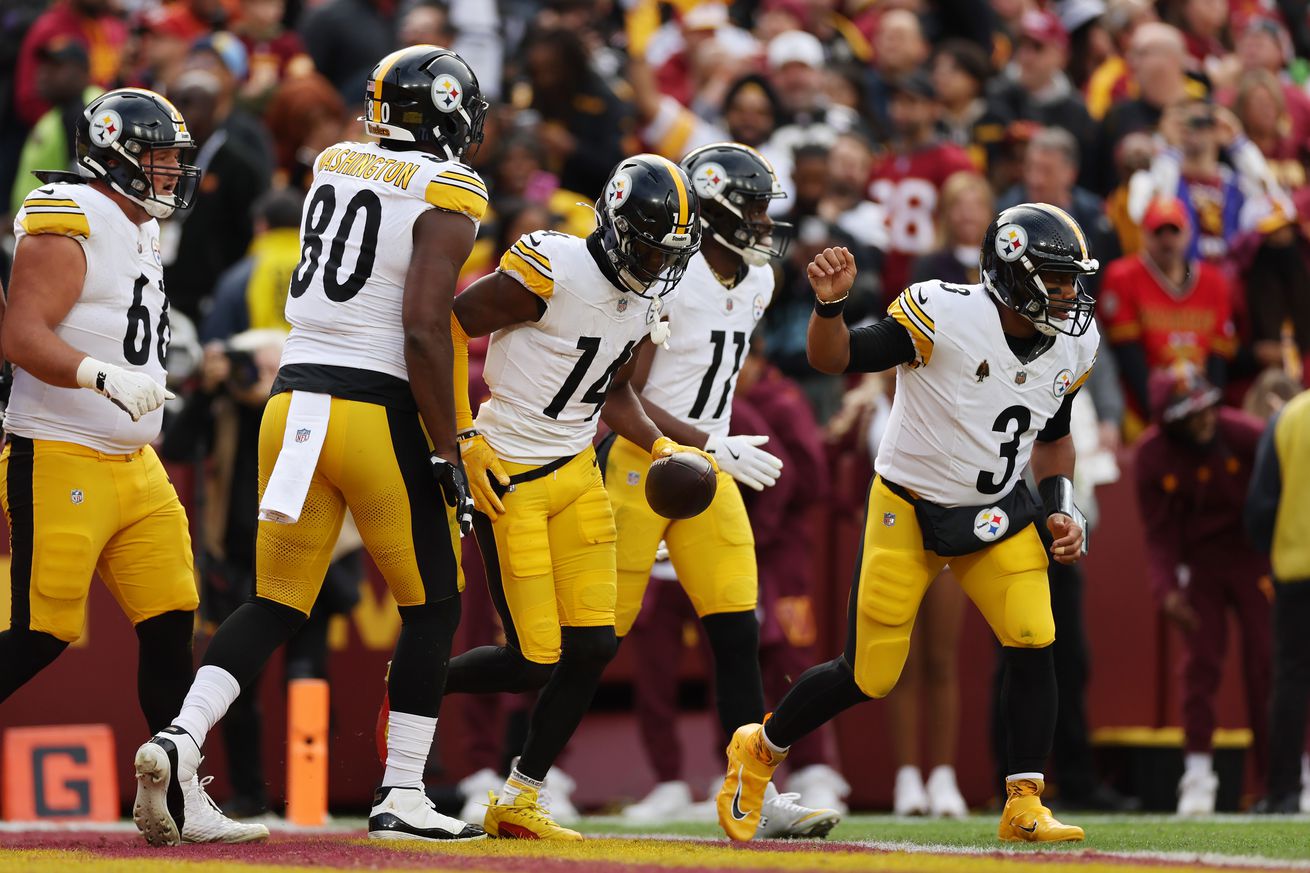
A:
[1011, 242]
[991, 524]
[446, 93]
[1063, 382]
[709, 180]
[757, 307]
[617, 190]
[106, 128]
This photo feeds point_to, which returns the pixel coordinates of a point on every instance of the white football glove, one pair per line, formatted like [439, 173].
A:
[133, 392]
[740, 457]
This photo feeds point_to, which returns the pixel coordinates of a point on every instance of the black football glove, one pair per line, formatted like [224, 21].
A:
[455, 489]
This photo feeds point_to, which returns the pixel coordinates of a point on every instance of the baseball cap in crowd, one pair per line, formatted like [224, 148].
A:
[64, 50]
[706, 16]
[1165, 212]
[1043, 28]
[1075, 13]
[229, 49]
[916, 83]
[1272, 28]
[795, 46]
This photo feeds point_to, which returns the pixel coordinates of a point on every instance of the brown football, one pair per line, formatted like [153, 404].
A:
[680, 485]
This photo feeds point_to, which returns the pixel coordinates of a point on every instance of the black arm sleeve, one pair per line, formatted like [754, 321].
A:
[1058, 426]
[881, 346]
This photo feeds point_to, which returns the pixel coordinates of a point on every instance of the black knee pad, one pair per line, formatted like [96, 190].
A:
[441, 615]
[733, 633]
[594, 646]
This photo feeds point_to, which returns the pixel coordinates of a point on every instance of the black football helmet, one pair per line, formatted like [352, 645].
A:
[730, 178]
[1029, 240]
[118, 136]
[426, 94]
[649, 224]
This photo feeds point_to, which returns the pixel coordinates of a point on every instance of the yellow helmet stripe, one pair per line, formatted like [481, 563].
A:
[683, 206]
[384, 66]
[1073, 225]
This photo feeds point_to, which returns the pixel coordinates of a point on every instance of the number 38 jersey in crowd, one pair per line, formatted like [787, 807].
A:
[344, 302]
[695, 377]
[967, 410]
[549, 378]
[121, 318]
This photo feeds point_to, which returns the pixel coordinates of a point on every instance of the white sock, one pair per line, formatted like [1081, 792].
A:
[1016, 777]
[768, 744]
[212, 692]
[1198, 762]
[909, 770]
[409, 739]
[514, 785]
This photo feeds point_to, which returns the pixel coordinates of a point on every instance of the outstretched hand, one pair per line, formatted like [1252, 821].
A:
[832, 273]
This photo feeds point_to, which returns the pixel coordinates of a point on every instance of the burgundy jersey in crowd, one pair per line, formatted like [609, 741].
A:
[907, 187]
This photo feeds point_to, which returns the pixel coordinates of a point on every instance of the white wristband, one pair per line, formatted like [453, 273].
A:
[92, 373]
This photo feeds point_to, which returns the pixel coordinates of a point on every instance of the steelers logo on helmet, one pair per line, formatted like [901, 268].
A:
[1011, 242]
[709, 180]
[446, 93]
[618, 189]
[106, 128]
[991, 524]
[1063, 382]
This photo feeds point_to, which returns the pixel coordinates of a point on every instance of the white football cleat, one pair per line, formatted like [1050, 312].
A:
[205, 822]
[408, 814]
[475, 787]
[820, 787]
[910, 797]
[944, 798]
[668, 801]
[164, 766]
[782, 818]
[1196, 792]
[556, 796]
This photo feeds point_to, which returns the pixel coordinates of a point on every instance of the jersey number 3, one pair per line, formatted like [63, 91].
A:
[1021, 417]
[322, 209]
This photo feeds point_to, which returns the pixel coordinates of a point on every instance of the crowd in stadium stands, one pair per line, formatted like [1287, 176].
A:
[1177, 134]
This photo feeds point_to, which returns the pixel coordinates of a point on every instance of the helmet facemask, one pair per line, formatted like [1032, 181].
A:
[135, 169]
[1052, 314]
[739, 222]
[648, 267]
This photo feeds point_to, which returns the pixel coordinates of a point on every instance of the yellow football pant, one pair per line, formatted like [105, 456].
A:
[375, 460]
[550, 556]
[73, 511]
[1007, 582]
[713, 553]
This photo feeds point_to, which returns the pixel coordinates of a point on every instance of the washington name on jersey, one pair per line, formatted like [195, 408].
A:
[967, 410]
[356, 237]
[121, 318]
[695, 377]
[549, 378]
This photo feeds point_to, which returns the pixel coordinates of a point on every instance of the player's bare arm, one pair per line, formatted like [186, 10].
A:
[669, 425]
[625, 414]
[828, 344]
[39, 299]
[442, 241]
[1056, 459]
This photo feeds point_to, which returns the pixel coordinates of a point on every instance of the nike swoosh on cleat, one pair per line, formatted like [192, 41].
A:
[736, 800]
[1029, 830]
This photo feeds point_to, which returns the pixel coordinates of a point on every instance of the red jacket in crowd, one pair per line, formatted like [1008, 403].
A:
[104, 37]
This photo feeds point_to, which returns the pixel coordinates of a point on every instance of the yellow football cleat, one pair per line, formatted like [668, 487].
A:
[750, 768]
[525, 819]
[1024, 818]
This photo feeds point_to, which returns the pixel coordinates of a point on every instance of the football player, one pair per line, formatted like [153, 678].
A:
[566, 315]
[985, 379]
[687, 391]
[83, 491]
[362, 417]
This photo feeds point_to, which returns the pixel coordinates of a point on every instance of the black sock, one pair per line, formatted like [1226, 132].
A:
[164, 668]
[585, 651]
[249, 636]
[818, 696]
[1029, 699]
[489, 669]
[418, 668]
[23, 654]
[1291, 693]
[738, 689]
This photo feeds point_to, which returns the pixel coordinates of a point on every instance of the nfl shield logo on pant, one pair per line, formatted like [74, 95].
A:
[302, 435]
[888, 519]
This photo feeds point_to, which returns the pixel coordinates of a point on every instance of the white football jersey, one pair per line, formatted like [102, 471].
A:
[120, 318]
[356, 241]
[549, 378]
[694, 378]
[967, 410]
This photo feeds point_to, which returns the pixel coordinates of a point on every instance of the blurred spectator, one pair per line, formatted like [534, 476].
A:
[222, 54]
[1204, 24]
[91, 22]
[1262, 106]
[275, 53]
[849, 162]
[215, 232]
[906, 180]
[796, 69]
[1050, 168]
[1161, 308]
[162, 45]
[584, 128]
[346, 38]
[1193, 469]
[960, 71]
[189, 20]
[899, 50]
[965, 210]
[425, 22]
[1133, 153]
[1034, 86]
[1277, 525]
[63, 81]
[1263, 45]
[698, 55]
[521, 178]
[1111, 81]
[304, 116]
